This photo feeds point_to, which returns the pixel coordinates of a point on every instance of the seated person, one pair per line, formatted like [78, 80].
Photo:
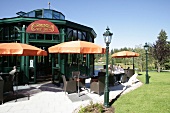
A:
[118, 72]
[12, 72]
[127, 73]
[121, 70]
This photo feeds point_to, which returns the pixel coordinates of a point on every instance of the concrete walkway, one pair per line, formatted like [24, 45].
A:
[48, 98]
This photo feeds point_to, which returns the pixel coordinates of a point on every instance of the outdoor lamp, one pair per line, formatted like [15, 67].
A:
[107, 38]
[146, 47]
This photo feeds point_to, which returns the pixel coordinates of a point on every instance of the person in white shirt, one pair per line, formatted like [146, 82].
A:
[12, 72]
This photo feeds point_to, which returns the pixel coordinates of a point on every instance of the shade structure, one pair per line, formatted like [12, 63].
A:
[81, 47]
[42, 27]
[20, 49]
[125, 54]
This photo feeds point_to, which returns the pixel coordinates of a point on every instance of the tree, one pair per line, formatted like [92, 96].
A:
[161, 50]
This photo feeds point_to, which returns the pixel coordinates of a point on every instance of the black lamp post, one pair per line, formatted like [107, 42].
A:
[146, 47]
[107, 38]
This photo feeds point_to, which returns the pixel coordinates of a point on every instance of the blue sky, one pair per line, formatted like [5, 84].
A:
[132, 22]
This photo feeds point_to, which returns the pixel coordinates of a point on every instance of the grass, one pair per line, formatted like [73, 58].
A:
[149, 98]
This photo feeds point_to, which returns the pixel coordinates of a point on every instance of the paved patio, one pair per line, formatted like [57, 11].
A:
[48, 98]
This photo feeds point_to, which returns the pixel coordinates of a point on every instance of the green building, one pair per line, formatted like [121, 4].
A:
[36, 68]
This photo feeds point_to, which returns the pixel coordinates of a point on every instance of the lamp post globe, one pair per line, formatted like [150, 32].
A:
[146, 47]
[107, 38]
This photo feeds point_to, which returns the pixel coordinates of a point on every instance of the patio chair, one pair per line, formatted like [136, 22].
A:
[15, 80]
[7, 88]
[130, 73]
[111, 78]
[81, 82]
[124, 78]
[69, 85]
[97, 85]
[8, 84]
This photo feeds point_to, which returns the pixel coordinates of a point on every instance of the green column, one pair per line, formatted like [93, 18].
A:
[106, 90]
[62, 60]
[52, 63]
[35, 69]
[88, 64]
[22, 65]
[147, 76]
[27, 61]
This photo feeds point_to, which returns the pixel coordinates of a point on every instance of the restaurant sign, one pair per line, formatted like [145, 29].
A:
[42, 27]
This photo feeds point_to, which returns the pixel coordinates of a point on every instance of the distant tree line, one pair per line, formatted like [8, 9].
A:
[158, 55]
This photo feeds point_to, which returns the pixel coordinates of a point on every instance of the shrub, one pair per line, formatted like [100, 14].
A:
[96, 108]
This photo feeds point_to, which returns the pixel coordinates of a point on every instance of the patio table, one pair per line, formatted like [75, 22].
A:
[118, 76]
[81, 79]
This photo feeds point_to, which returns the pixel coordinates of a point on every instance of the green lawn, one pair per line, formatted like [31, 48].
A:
[149, 98]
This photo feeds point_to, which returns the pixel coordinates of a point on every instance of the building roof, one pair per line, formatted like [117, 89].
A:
[50, 16]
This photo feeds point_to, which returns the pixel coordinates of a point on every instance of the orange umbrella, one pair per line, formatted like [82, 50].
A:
[125, 54]
[20, 49]
[82, 47]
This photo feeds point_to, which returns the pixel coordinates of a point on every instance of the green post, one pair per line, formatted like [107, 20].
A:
[35, 69]
[52, 61]
[23, 58]
[106, 90]
[27, 61]
[107, 38]
[146, 50]
[88, 64]
[147, 76]
[62, 56]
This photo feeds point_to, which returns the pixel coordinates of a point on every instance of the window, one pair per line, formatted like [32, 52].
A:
[56, 37]
[48, 37]
[31, 14]
[47, 14]
[79, 35]
[32, 36]
[62, 17]
[74, 37]
[12, 33]
[84, 36]
[6, 33]
[38, 14]
[56, 15]
[1, 33]
[40, 36]
[69, 34]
